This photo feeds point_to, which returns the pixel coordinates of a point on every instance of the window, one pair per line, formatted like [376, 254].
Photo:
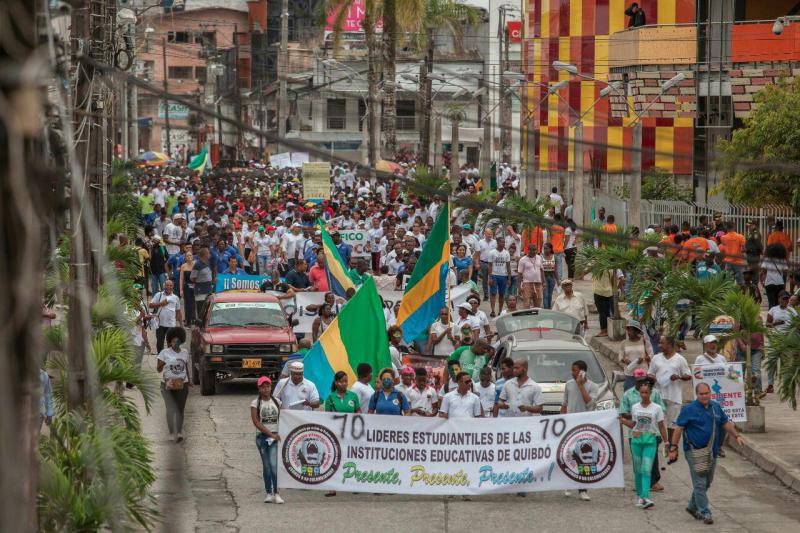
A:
[207, 38]
[180, 73]
[177, 37]
[200, 73]
[337, 114]
[406, 115]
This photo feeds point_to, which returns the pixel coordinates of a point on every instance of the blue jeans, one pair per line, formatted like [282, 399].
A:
[513, 286]
[499, 285]
[738, 272]
[485, 278]
[157, 282]
[263, 261]
[698, 502]
[559, 265]
[549, 287]
[269, 460]
[756, 357]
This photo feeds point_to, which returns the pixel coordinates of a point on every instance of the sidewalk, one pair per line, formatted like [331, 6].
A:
[776, 451]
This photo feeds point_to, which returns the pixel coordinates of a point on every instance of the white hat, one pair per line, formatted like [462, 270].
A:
[710, 338]
[649, 231]
[296, 366]
[465, 305]
[191, 207]
[290, 204]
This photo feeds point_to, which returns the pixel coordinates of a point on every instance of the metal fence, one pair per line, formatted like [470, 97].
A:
[654, 211]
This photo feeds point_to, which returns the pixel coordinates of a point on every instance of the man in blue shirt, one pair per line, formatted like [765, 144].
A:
[175, 261]
[233, 267]
[345, 250]
[701, 421]
[708, 267]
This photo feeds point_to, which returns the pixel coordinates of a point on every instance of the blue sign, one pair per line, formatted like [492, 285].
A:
[239, 282]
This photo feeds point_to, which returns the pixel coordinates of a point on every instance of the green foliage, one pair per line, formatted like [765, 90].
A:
[751, 160]
[448, 16]
[783, 359]
[658, 185]
[426, 181]
[529, 213]
[709, 297]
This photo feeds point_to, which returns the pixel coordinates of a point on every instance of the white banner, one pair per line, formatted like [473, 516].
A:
[358, 239]
[282, 160]
[306, 317]
[419, 455]
[726, 381]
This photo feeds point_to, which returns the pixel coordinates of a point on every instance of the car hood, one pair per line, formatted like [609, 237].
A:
[251, 335]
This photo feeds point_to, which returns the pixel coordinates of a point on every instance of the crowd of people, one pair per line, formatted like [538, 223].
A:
[257, 222]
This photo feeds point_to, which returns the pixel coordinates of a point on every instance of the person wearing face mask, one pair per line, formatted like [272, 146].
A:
[173, 365]
[388, 400]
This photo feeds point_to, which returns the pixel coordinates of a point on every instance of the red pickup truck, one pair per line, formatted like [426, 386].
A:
[243, 334]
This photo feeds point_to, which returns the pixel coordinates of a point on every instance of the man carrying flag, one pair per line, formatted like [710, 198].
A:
[426, 291]
[338, 276]
[200, 162]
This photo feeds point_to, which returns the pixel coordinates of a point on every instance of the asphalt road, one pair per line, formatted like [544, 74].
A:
[212, 482]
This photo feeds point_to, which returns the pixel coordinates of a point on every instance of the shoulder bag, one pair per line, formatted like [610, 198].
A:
[703, 457]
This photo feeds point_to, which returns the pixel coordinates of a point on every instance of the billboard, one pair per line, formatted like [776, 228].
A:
[352, 20]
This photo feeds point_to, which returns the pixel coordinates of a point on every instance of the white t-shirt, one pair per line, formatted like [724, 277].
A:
[172, 234]
[159, 197]
[292, 244]
[458, 406]
[486, 394]
[445, 346]
[375, 235]
[776, 269]
[174, 364]
[269, 413]
[705, 359]
[293, 395]
[263, 244]
[663, 368]
[484, 247]
[783, 314]
[482, 320]
[529, 394]
[364, 393]
[647, 418]
[500, 262]
[166, 315]
[423, 399]
[474, 323]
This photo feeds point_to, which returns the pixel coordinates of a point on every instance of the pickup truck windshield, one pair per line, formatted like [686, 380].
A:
[268, 314]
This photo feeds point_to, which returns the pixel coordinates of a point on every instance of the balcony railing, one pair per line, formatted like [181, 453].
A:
[337, 123]
[653, 45]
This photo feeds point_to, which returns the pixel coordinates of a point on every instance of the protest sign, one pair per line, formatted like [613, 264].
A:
[239, 282]
[282, 160]
[306, 318]
[420, 455]
[317, 180]
[358, 239]
[726, 381]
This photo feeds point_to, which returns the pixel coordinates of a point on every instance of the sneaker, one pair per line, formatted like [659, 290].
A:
[695, 514]
[770, 389]
[647, 503]
[268, 498]
[567, 493]
[278, 499]
[708, 520]
[639, 502]
[585, 497]
[492, 315]
[179, 438]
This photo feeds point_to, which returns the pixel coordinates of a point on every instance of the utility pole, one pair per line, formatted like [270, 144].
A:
[283, 73]
[455, 164]
[635, 205]
[237, 93]
[505, 108]
[579, 185]
[426, 87]
[219, 120]
[166, 89]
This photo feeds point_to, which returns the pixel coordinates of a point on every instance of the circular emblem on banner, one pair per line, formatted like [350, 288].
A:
[587, 454]
[311, 454]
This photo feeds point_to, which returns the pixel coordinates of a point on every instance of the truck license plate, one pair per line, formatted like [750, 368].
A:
[251, 363]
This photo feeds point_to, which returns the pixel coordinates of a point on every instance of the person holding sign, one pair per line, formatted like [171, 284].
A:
[710, 356]
[296, 392]
[265, 412]
[647, 421]
[521, 396]
[388, 400]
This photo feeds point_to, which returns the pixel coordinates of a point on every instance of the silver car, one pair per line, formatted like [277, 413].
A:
[551, 342]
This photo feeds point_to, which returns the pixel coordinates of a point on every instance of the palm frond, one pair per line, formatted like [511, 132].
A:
[783, 360]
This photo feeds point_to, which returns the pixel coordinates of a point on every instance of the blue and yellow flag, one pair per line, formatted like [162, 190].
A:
[426, 292]
[200, 162]
[338, 278]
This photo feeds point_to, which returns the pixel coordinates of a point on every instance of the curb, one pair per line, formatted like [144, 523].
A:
[766, 461]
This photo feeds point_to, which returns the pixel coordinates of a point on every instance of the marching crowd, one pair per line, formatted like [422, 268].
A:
[257, 221]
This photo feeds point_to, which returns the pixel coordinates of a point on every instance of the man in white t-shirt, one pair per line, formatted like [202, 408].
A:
[710, 356]
[173, 234]
[362, 386]
[485, 389]
[443, 335]
[425, 400]
[167, 307]
[482, 249]
[499, 275]
[295, 392]
[292, 245]
[462, 402]
[521, 396]
[669, 369]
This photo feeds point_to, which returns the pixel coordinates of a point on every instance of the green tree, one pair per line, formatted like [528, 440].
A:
[783, 359]
[658, 185]
[754, 160]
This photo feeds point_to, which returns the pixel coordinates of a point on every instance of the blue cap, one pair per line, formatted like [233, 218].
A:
[466, 226]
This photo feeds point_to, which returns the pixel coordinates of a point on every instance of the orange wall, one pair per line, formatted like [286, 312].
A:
[756, 42]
